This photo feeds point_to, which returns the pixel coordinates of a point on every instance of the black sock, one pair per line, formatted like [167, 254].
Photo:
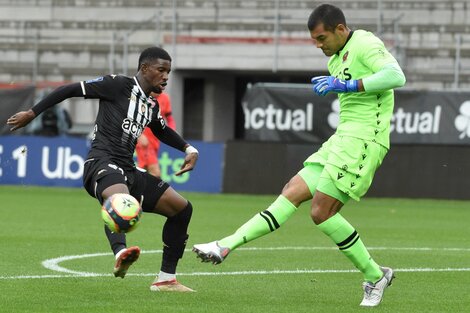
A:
[174, 236]
[116, 240]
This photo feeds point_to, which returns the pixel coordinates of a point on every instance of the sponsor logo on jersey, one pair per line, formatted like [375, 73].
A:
[132, 128]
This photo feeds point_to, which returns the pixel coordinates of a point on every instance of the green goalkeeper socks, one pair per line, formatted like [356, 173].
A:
[349, 243]
[261, 224]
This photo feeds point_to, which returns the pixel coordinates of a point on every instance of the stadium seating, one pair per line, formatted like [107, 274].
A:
[70, 40]
[74, 37]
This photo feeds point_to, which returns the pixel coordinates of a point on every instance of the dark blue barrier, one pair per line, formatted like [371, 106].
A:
[58, 161]
[206, 177]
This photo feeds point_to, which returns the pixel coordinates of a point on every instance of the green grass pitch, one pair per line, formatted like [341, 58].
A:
[295, 269]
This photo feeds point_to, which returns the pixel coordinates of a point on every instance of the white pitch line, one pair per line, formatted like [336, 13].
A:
[238, 273]
[53, 264]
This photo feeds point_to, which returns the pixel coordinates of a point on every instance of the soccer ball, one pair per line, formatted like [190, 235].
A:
[121, 213]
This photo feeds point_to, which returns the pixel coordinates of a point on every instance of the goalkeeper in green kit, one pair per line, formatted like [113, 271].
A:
[363, 74]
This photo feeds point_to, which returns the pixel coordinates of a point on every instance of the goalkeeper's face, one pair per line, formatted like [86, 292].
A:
[329, 41]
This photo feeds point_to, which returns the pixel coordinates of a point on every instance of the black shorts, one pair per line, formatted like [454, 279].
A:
[99, 174]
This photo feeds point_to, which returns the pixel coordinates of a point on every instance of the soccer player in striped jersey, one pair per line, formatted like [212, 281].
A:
[126, 107]
[363, 74]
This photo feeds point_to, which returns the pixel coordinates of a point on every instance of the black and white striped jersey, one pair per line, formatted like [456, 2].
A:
[124, 111]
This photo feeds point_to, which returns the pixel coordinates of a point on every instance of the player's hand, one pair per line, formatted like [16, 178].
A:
[189, 163]
[20, 119]
[322, 85]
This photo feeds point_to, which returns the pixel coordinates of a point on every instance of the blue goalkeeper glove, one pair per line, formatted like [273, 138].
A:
[322, 85]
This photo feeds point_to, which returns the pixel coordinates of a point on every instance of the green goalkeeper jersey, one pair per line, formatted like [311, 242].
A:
[364, 115]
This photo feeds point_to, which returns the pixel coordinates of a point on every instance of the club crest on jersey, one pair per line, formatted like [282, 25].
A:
[152, 101]
[345, 56]
[143, 108]
[133, 98]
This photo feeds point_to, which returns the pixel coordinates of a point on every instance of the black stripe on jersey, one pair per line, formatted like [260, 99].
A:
[143, 110]
[139, 112]
[136, 105]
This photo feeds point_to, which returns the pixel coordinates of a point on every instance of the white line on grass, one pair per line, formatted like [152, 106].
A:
[237, 273]
[53, 264]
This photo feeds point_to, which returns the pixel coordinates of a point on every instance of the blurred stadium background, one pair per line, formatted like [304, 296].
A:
[220, 49]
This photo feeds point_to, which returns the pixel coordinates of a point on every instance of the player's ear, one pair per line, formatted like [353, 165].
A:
[340, 28]
[144, 67]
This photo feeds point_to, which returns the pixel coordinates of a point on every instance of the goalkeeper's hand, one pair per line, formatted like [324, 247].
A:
[322, 85]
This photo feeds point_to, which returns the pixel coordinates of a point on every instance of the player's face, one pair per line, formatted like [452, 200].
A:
[156, 74]
[328, 41]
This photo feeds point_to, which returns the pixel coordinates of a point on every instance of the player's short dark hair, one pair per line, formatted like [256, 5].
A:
[328, 14]
[151, 54]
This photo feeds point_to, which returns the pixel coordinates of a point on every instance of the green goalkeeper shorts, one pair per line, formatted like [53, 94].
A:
[349, 165]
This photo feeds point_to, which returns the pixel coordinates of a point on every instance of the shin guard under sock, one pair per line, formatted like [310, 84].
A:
[175, 237]
[261, 224]
[117, 241]
[351, 245]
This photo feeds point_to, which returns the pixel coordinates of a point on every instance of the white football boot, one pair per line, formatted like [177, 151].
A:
[211, 252]
[373, 293]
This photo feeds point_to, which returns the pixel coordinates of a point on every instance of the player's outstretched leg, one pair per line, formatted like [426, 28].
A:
[259, 225]
[373, 292]
[124, 259]
[211, 252]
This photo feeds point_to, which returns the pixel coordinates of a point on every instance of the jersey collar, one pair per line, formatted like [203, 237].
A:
[347, 40]
[138, 85]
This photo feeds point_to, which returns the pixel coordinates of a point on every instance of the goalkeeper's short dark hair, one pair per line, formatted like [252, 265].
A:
[151, 54]
[330, 15]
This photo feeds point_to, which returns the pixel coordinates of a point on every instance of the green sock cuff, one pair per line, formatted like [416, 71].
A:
[331, 225]
[283, 202]
[338, 229]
